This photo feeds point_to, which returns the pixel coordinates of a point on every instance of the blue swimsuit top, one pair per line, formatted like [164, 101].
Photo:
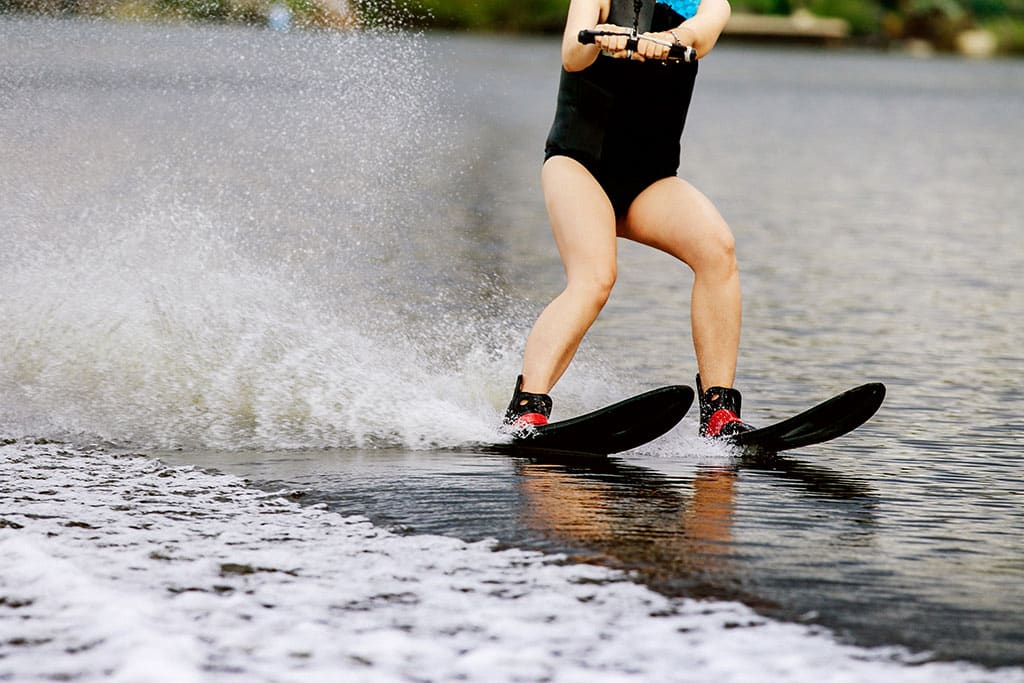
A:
[653, 15]
[684, 8]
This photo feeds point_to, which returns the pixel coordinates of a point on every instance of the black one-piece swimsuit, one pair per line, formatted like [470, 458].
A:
[623, 119]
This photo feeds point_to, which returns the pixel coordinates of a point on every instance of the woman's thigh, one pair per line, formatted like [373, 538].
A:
[582, 219]
[675, 217]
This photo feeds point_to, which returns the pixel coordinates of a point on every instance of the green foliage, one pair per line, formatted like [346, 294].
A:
[936, 21]
[523, 15]
[763, 6]
[197, 9]
[863, 16]
[1009, 33]
[986, 8]
[992, 9]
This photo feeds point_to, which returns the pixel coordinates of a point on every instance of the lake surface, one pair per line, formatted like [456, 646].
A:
[311, 260]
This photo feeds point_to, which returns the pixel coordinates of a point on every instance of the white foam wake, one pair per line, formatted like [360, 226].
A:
[119, 568]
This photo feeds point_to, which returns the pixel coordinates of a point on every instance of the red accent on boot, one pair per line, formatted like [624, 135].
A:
[529, 420]
[718, 420]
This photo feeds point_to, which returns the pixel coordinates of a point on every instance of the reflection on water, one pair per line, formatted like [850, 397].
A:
[793, 539]
[635, 518]
[682, 528]
[677, 534]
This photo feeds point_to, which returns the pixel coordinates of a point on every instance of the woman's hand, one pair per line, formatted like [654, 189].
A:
[654, 46]
[615, 44]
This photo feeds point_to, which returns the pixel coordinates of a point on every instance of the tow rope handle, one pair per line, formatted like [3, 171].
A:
[683, 53]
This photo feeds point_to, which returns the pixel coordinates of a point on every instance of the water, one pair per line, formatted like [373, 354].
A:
[311, 259]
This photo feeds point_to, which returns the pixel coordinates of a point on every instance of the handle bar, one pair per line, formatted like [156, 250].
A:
[683, 53]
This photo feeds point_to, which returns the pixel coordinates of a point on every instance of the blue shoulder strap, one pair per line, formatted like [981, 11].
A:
[684, 8]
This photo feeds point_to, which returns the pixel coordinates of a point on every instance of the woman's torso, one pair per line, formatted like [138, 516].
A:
[618, 111]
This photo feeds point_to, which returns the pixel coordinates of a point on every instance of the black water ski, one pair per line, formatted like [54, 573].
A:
[826, 421]
[615, 428]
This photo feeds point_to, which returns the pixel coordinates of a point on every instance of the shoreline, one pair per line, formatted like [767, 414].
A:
[799, 28]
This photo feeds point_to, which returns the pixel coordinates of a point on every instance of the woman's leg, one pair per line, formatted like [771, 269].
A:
[675, 217]
[583, 223]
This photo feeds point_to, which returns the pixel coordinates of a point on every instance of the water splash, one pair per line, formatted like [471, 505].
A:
[161, 333]
[212, 249]
[250, 241]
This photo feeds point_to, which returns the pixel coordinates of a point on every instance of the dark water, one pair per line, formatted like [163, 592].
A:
[810, 538]
[311, 259]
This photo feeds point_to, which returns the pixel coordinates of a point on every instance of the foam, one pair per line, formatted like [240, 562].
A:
[117, 567]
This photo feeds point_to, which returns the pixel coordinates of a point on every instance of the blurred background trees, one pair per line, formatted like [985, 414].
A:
[970, 26]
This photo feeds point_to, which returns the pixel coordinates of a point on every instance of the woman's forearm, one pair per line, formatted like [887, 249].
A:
[583, 14]
[705, 27]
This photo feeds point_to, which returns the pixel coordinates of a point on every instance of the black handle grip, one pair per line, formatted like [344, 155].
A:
[683, 53]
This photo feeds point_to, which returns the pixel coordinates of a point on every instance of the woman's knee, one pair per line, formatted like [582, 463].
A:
[718, 255]
[595, 285]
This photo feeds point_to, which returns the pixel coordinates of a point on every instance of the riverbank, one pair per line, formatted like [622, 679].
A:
[950, 27]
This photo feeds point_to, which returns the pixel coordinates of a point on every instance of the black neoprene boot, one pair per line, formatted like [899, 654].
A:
[720, 411]
[526, 410]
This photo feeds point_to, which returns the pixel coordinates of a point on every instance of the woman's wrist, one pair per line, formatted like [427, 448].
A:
[679, 35]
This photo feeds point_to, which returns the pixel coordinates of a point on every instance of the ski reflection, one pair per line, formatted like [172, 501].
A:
[675, 532]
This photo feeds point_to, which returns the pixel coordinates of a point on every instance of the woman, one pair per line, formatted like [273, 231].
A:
[609, 171]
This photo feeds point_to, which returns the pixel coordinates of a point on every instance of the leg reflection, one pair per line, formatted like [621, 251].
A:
[675, 532]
